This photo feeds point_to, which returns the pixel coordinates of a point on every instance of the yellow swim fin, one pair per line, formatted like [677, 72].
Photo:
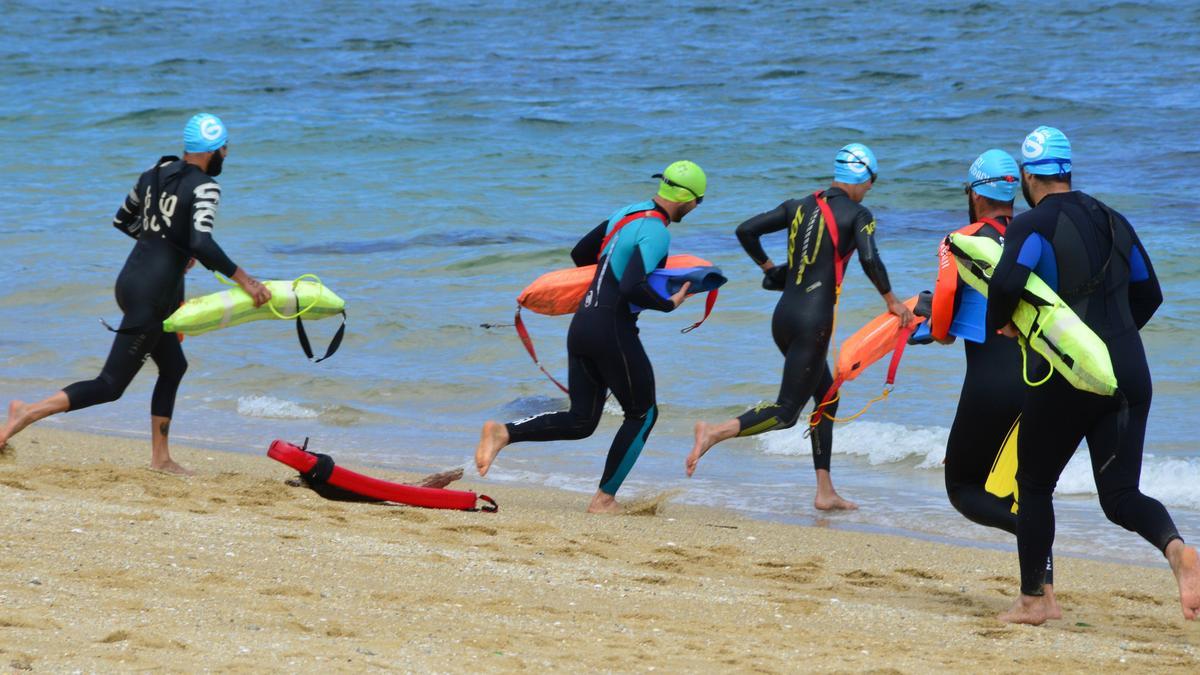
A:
[1002, 479]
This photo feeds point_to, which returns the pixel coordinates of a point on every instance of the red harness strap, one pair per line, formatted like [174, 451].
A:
[523, 332]
[839, 262]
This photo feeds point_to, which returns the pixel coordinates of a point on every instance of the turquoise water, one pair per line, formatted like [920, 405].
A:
[428, 160]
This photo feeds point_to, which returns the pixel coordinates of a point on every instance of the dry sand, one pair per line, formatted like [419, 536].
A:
[108, 566]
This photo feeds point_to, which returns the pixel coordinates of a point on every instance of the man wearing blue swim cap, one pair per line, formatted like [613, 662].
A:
[170, 213]
[825, 229]
[1092, 258]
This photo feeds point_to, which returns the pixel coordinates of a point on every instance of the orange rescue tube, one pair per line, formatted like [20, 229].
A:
[560, 292]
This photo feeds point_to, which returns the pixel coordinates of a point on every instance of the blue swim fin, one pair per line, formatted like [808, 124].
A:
[667, 282]
[970, 319]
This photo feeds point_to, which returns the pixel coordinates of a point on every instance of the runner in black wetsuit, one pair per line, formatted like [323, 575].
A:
[170, 212]
[803, 319]
[603, 348]
[992, 391]
[1092, 257]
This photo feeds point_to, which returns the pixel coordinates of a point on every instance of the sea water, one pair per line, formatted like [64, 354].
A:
[428, 160]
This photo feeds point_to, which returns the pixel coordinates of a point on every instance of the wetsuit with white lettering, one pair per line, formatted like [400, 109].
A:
[803, 319]
[170, 213]
[604, 351]
[1092, 257]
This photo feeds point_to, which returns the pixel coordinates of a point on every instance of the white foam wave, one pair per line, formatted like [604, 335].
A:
[273, 408]
[877, 442]
[1171, 480]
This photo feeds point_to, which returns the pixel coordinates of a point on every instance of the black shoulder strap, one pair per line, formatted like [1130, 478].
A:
[1097, 280]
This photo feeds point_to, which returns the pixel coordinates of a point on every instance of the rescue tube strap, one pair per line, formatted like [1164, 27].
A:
[523, 333]
[839, 263]
[834, 394]
[336, 342]
[708, 308]
[636, 215]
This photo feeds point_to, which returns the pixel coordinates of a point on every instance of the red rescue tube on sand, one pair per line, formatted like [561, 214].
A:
[432, 498]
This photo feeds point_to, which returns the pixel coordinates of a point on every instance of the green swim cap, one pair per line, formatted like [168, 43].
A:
[681, 182]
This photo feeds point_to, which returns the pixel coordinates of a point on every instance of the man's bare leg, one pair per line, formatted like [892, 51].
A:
[706, 436]
[1031, 609]
[492, 438]
[442, 479]
[827, 498]
[21, 414]
[1185, 565]
[160, 452]
[602, 502]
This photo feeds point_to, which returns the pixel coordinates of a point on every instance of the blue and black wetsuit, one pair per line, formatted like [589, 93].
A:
[990, 402]
[803, 319]
[604, 351]
[170, 212]
[1092, 257]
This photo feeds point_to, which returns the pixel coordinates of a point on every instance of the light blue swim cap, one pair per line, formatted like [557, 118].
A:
[1046, 152]
[205, 132]
[854, 164]
[994, 175]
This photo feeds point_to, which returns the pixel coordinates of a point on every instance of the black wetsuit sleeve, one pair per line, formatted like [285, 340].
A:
[203, 247]
[868, 253]
[587, 251]
[128, 219]
[749, 232]
[635, 286]
[1009, 277]
[1145, 296]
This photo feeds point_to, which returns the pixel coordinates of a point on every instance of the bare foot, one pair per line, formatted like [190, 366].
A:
[172, 467]
[16, 410]
[604, 503]
[441, 480]
[1029, 609]
[1053, 610]
[827, 498]
[1185, 564]
[492, 438]
[705, 439]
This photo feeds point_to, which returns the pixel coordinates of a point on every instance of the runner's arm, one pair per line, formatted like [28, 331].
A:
[1022, 250]
[128, 219]
[1145, 294]
[868, 253]
[203, 247]
[749, 232]
[587, 251]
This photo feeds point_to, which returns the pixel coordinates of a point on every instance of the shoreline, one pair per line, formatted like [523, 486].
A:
[109, 565]
[814, 519]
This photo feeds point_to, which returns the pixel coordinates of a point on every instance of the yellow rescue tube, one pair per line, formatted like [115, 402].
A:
[289, 299]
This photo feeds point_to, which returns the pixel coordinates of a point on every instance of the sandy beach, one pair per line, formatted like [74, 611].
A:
[109, 566]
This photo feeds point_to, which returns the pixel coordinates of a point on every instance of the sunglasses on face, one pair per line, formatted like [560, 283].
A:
[967, 187]
[668, 181]
[874, 176]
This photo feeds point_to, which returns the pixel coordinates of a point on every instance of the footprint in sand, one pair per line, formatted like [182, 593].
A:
[918, 574]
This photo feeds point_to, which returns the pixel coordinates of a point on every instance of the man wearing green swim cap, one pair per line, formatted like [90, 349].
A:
[170, 213]
[804, 316]
[604, 351]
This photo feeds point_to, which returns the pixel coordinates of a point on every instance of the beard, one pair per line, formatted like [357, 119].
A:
[1025, 193]
[971, 209]
[215, 164]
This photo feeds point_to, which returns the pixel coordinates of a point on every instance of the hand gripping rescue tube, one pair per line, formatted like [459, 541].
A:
[289, 300]
[319, 470]
[1044, 321]
[883, 335]
[560, 292]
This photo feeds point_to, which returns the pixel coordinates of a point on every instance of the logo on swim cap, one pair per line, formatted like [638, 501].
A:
[211, 129]
[1034, 145]
[205, 132]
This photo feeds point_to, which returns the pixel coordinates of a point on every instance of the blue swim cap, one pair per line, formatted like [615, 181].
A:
[994, 175]
[1046, 152]
[204, 133]
[854, 164]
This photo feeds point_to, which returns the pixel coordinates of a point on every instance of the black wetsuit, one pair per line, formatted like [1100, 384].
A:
[604, 351]
[988, 406]
[170, 213]
[1093, 258]
[803, 319]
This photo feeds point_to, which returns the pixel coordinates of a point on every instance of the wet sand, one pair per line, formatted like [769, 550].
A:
[106, 565]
